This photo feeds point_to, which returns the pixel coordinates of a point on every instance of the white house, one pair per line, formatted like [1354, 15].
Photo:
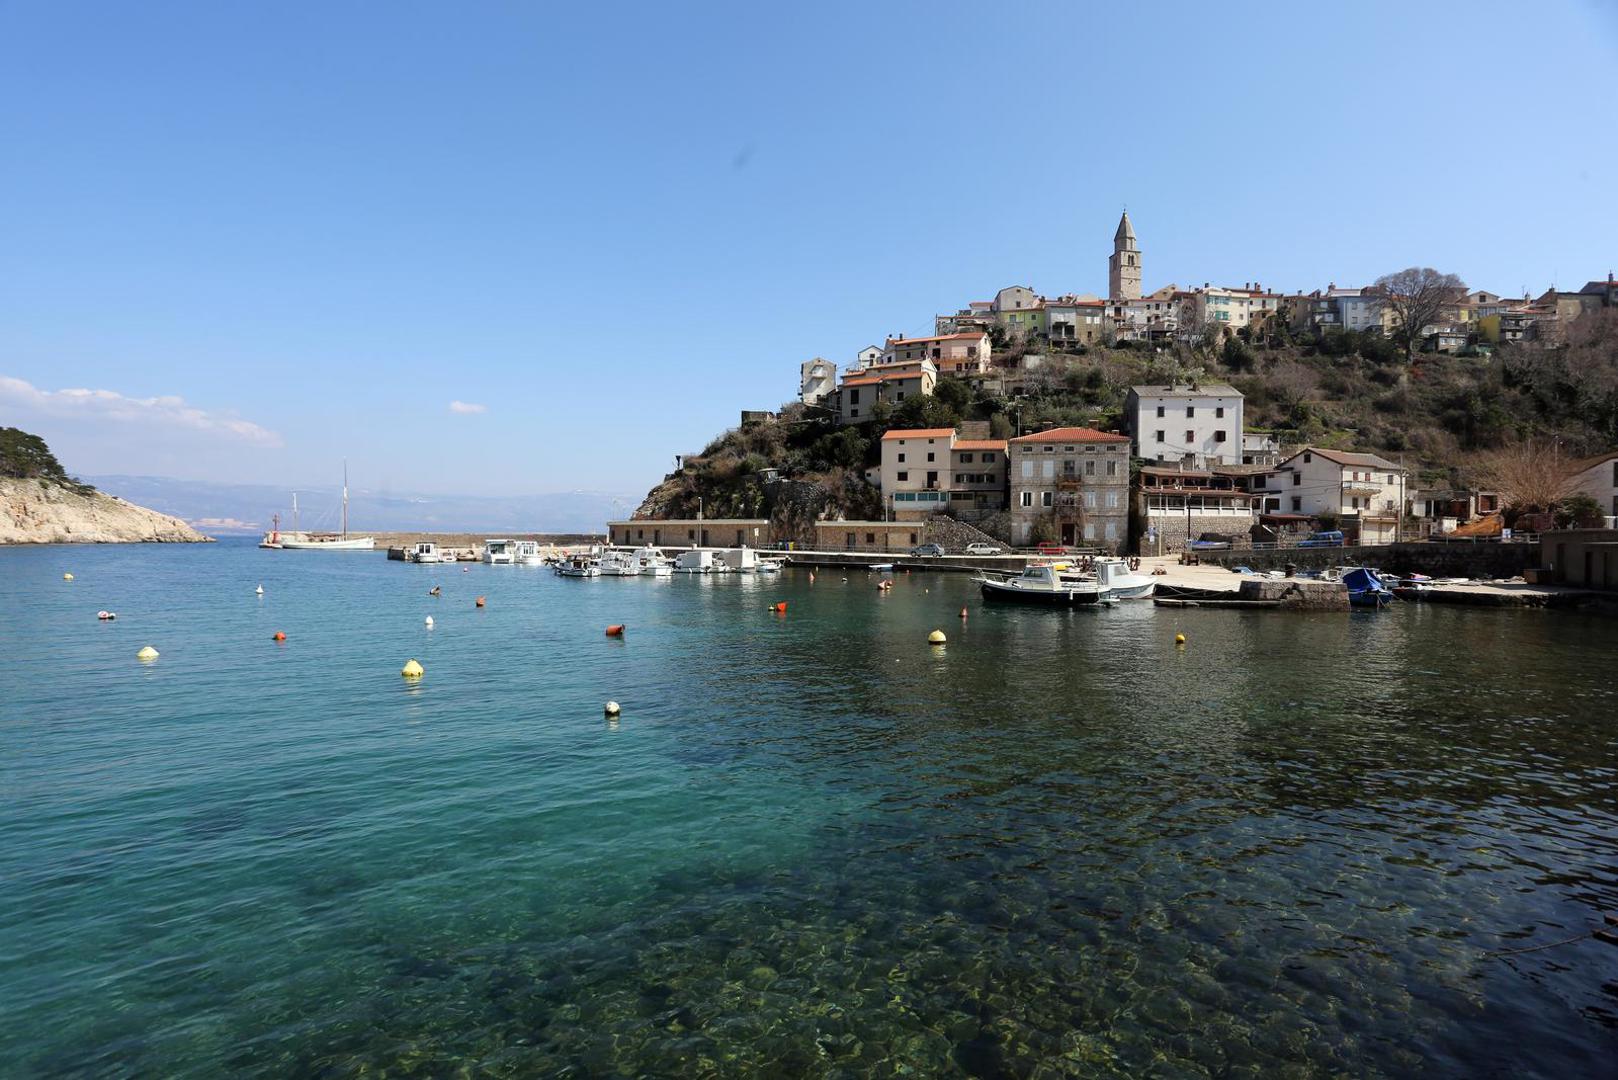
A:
[1597, 477]
[1356, 488]
[871, 354]
[1192, 424]
[817, 381]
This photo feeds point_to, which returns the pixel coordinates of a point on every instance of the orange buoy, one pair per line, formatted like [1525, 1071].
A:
[780, 609]
[478, 602]
[615, 630]
[279, 636]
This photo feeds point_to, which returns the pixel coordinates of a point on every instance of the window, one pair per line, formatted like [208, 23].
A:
[1297, 479]
[1067, 449]
[966, 459]
[1049, 470]
[902, 477]
[1089, 500]
[1297, 504]
[1190, 411]
[1112, 501]
[1391, 480]
[1112, 468]
[1112, 531]
[870, 538]
[960, 478]
[1190, 437]
[1354, 502]
[1028, 449]
[932, 478]
[1028, 498]
[1219, 413]
[1306, 459]
[1089, 530]
[901, 396]
[929, 455]
[912, 538]
[1090, 468]
[1159, 436]
[1219, 436]
[1050, 449]
[1160, 410]
[854, 411]
[854, 395]
[901, 457]
[1044, 498]
[1028, 470]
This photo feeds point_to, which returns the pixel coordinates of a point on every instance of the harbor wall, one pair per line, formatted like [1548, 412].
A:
[1436, 560]
[1298, 595]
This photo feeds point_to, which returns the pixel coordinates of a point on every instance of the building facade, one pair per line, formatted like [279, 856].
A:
[1597, 477]
[1175, 505]
[1366, 493]
[1190, 424]
[1124, 265]
[817, 381]
[690, 532]
[1072, 485]
[925, 470]
[860, 392]
[964, 353]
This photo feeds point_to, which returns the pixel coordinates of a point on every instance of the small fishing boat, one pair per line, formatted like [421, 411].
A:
[769, 566]
[696, 561]
[619, 564]
[499, 552]
[1043, 585]
[424, 552]
[653, 563]
[1119, 582]
[1365, 589]
[578, 566]
[1414, 587]
[527, 553]
[881, 567]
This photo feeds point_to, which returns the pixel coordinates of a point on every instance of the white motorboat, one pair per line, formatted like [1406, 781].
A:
[499, 552]
[340, 541]
[1121, 583]
[769, 566]
[1044, 585]
[653, 562]
[619, 564]
[580, 566]
[742, 560]
[424, 552]
[528, 553]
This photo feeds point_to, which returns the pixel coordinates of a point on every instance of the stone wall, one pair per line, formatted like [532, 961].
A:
[1172, 532]
[1484, 560]
[953, 535]
[1298, 595]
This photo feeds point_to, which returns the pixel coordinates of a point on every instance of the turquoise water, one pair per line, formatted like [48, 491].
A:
[812, 846]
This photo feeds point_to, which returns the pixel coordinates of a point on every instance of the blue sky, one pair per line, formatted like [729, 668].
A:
[271, 237]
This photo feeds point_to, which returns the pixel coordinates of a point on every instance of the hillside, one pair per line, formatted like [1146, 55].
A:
[1439, 414]
[41, 504]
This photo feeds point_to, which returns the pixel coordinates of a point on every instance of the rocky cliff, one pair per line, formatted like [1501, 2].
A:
[39, 511]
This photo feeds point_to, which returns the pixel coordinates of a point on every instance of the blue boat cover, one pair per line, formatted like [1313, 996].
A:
[1362, 580]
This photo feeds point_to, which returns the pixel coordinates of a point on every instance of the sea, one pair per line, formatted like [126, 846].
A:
[1369, 844]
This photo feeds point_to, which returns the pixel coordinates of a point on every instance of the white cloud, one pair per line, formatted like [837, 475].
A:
[167, 411]
[466, 408]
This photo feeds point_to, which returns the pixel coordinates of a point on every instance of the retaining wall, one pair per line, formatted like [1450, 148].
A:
[1435, 560]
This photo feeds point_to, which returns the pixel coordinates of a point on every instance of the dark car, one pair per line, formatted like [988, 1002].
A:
[1330, 538]
[927, 551]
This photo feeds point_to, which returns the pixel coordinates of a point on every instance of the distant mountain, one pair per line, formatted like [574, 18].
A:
[223, 509]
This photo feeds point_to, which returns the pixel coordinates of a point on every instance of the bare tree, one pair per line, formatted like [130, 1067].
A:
[1531, 477]
[1418, 297]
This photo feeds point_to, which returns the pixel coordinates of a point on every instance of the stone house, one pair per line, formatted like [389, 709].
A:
[1194, 424]
[1072, 483]
[690, 532]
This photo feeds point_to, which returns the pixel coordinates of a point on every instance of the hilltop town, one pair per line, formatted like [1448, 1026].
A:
[1408, 408]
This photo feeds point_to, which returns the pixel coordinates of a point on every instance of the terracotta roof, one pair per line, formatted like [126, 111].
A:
[1071, 434]
[940, 337]
[981, 444]
[919, 433]
[1343, 457]
[867, 380]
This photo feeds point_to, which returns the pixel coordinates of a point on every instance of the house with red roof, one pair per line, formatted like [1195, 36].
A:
[1071, 485]
[925, 470]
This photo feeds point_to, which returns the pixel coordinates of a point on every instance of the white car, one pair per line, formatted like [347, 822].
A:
[984, 549]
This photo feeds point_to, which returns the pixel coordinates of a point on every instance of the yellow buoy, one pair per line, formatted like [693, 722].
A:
[611, 708]
[148, 653]
[1179, 639]
[67, 577]
[936, 638]
[412, 670]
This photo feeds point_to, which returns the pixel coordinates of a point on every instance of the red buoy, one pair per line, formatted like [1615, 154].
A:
[279, 636]
[615, 630]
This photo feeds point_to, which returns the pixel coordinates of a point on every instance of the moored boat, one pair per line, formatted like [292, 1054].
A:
[1365, 589]
[578, 566]
[499, 552]
[1043, 585]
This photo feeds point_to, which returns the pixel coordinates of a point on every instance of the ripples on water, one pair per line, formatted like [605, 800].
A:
[812, 846]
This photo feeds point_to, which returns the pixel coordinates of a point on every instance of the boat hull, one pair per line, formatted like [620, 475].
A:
[361, 543]
[1011, 594]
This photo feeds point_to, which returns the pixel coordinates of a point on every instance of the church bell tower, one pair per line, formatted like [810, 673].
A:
[1123, 269]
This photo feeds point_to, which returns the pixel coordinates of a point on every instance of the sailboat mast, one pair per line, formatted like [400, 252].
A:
[345, 498]
[295, 525]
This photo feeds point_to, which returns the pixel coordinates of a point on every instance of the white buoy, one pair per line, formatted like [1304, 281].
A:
[260, 590]
[429, 622]
[611, 708]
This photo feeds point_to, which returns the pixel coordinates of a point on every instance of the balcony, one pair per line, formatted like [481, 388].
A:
[1361, 487]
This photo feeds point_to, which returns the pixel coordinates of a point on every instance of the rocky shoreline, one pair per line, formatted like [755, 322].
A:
[34, 511]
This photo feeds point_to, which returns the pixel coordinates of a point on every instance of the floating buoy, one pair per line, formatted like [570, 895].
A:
[259, 590]
[963, 613]
[429, 622]
[478, 602]
[435, 591]
[67, 577]
[466, 569]
[412, 670]
[148, 653]
[611, 708]
[779, 609]
[279, 636]
[106, 615]
[936, 638]
[1179, 639]
[811, 577]
[615, 630]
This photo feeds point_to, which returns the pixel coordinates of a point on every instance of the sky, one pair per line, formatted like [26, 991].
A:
[503, 248]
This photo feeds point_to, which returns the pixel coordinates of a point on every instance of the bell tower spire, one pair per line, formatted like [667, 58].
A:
[1123, 268]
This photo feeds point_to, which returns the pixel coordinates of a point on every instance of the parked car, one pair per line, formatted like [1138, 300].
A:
[984, 549]
[927, 551]
[1329, 538]
[1052, 549]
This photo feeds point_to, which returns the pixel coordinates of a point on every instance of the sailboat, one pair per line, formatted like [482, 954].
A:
[330, 541]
